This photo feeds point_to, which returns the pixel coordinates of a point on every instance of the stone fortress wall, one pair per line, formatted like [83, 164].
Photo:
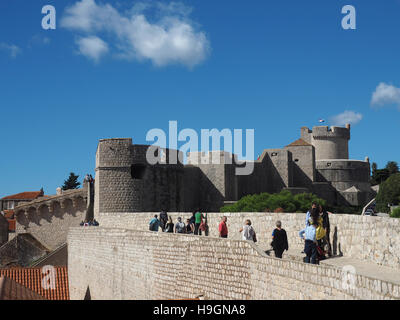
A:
[125, 182]
[112, 263]
[372, 239]
[48, 219]
[318, 163]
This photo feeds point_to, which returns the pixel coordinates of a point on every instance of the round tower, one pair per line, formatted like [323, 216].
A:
[126, 182]
[331, 143]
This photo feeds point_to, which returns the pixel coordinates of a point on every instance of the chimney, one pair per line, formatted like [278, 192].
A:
[348, 126]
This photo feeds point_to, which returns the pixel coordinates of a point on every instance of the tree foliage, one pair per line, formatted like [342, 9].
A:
[72, 182]
[395, 213]
[392, 167]
[381, 175]
[271, 202]
[389, 193]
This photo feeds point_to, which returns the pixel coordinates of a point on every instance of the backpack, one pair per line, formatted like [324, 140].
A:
[152, 225]
[254, 237]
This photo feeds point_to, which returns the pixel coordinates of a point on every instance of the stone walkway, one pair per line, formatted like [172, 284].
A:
[365, 268]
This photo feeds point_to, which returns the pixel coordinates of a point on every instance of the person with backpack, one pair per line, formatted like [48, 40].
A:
[179, 226]
[154, 224]
[248, 232]
[279, 240]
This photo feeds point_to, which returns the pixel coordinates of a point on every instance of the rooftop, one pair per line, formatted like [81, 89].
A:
[12, 290]
[29, 195]
[31, 278]
[299, 143]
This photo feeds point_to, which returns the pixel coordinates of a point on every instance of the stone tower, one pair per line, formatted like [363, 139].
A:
[126, 182]
[329, 143]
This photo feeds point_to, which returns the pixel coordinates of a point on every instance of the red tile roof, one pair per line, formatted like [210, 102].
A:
[12, 290]
[299, 143]
[30, 195]
[31, 278]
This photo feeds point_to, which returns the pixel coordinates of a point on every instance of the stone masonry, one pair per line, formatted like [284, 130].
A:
[373, 239]
[117, 263]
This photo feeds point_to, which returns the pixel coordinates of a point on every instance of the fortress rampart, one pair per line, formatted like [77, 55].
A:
[372, 239]
[145, 265]
[126, 182]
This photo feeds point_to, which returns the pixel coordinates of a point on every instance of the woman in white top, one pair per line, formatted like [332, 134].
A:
[248, 232]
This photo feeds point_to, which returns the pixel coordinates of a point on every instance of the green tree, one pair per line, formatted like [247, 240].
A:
[395, 213]
[71, 183]
[392, 167]
[265, 201]
[389, 193]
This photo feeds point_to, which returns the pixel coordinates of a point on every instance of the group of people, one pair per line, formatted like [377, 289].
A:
[196, 224]
[88, 178]
[315, 234]
[89, 223]
[247, 231]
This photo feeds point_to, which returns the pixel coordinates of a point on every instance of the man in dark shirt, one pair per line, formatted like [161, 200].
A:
[279, 240]
[163, 220]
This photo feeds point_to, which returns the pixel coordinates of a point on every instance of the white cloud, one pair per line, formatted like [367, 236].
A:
[11, 49]
[169, 38]
[347, 116]
[385, 94]
[92, 47]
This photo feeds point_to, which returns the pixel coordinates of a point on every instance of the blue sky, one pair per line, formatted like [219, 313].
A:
[272, 66]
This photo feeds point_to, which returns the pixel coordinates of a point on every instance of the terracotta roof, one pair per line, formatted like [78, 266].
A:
[31, 195]
[31, 278]
[12, 290]
[299, 143]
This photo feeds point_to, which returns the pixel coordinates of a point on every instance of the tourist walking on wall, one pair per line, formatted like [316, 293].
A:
[248, 232]
[189, 227]
[223, 228]
[204, 225]
[310, 245]
[279, 240]
[180, 226]
[198, 218]
[163, 220]
[170, 226]
[154, 224]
